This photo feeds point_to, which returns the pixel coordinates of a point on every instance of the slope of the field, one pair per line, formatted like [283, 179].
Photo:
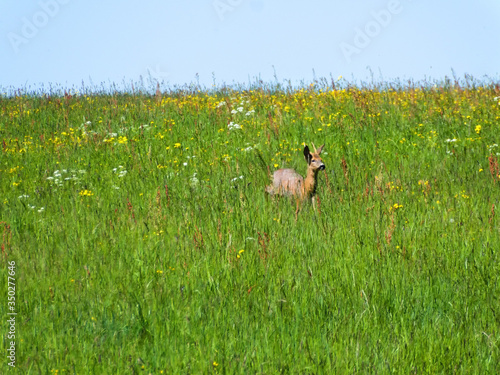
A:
[143, 240]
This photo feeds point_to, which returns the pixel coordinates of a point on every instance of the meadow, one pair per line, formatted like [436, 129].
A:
[144, 242]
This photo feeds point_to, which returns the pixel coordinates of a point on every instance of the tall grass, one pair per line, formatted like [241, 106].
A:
[145, 243]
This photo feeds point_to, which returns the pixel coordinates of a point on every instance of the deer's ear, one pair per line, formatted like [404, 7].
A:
[318, 151]
[307, 155]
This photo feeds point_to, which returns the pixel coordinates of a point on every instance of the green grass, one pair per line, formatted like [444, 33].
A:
[129, 261]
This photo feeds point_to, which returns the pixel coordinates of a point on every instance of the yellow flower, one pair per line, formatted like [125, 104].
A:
[177, 145]
[86, 193]
[478, 129]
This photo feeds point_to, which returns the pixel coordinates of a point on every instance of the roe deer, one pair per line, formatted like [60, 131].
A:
[288, 182]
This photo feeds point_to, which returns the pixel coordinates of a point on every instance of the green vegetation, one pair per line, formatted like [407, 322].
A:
[144, 242]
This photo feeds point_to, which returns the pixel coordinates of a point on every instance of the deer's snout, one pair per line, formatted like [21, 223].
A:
[321, 167]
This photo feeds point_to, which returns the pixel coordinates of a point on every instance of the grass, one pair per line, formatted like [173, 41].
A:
[144, 242]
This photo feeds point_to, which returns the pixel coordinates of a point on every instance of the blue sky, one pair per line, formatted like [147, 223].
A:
[65, 42]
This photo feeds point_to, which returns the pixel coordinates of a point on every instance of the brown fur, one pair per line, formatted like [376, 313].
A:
[288, 182]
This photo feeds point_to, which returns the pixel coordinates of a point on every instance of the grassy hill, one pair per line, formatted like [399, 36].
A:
[143, 240]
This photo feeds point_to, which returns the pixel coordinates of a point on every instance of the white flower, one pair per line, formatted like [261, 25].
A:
[250, 113]
[221, 104]
[185, 164]
[450, 140]
[250, 148]
[116, 187]
[23, 196]
[50, 178]
[41, 209]
[194, 180]
[122, 174]
[31, 207]
[236, 178]
[240, 109]
[234, 111]
[88, 123]
[232, 126]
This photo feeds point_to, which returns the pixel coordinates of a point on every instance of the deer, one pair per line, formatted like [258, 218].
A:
[287, 182]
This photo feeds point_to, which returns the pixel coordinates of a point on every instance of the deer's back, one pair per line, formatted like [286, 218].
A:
[286, 182]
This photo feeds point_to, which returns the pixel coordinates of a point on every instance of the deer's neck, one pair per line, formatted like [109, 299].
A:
[310, 182]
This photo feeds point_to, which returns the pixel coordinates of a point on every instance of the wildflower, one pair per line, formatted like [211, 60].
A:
[194, 180]
[23, 196]
[450, 140]
[177, 145]
[396, 206]
[477, 129]
[86, 193]
[41, 209]
[232, 126]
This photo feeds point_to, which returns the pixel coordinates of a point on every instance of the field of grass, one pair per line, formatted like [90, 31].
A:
[144, 243]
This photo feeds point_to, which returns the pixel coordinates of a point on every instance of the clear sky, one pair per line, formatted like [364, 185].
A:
[65, 42]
